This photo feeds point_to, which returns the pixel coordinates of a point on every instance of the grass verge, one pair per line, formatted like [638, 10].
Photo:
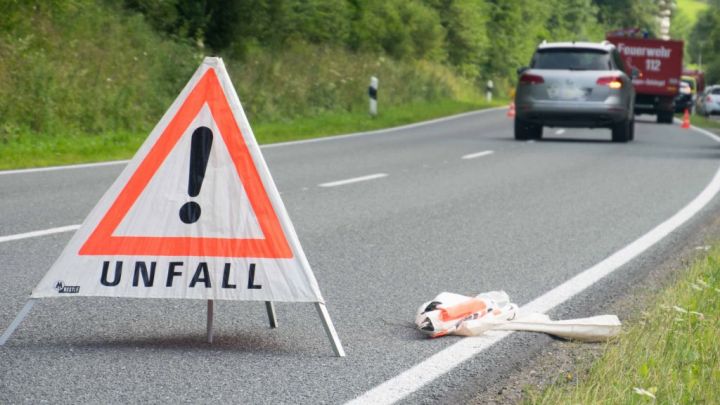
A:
[668, 355]
[48, 150]
[700, 121]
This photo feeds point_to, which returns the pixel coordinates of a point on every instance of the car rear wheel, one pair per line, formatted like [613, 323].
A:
[621, 131]
[525, 131]
[632, 130]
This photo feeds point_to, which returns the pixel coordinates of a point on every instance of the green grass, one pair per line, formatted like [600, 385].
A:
[47, 150]
[700, 121]
[339, 123]
[671, 351]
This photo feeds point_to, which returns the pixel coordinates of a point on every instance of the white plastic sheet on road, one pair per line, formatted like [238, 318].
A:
[455, 314]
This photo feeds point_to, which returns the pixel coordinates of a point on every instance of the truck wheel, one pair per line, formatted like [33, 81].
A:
[621, 131]
[664, 117]
[525, 131]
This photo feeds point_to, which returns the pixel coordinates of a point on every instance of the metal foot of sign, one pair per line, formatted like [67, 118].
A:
[18, 319]
[330, 329]
[271, 314]
[210, 315]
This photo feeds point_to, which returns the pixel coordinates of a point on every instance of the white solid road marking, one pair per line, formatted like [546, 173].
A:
[274, 145]
[35, 234]
[559, 132]
[353, 180]
[479, 154]
[54, 168]
[445, 360]
[383, 131]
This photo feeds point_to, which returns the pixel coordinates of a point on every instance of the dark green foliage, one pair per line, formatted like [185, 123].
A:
[705, 41]
[90, 66]
[628, 14]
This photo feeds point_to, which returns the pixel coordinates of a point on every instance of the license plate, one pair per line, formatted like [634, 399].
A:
[567, 93]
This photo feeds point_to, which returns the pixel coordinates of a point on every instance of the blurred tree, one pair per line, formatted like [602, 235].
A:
[400, 28]
[617, 14]
[705, 41]
[466, 40]
[680, 28]
[317, 21]
[574, 20]
[505, 53]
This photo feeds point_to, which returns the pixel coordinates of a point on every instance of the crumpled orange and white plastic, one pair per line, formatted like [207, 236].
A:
[455, 314]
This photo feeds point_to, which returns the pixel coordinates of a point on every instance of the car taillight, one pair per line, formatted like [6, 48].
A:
[709, 99]
[531, 79]
[613, 82]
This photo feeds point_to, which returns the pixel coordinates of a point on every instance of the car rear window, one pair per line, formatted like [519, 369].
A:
[571, 59]
[715, 91]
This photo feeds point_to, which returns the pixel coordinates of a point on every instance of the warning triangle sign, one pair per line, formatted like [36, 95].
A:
[195, 214]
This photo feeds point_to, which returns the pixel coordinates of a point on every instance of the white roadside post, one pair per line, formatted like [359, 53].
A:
[489, 90]
[372, 93]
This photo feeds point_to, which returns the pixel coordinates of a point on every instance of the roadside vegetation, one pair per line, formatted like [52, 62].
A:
[704, 41]
[702, 122]
[668, 355]
[87, 80]
[45, 150]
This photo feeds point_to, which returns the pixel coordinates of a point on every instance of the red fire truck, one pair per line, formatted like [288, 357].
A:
[655, 66]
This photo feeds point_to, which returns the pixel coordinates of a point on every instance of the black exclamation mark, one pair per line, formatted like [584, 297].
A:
[199, 155]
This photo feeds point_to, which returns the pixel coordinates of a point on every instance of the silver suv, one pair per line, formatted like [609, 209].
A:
[575, 84]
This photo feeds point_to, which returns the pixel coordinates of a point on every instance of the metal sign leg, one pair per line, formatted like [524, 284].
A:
[330, 329]
[15, 323]
[210, 313]
[271, 314]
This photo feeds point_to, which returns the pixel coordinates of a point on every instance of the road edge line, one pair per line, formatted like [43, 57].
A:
[440, 363]
[35, 234]
[270, 145]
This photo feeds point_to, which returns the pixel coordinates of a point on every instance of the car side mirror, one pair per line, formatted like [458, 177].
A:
[522, 70]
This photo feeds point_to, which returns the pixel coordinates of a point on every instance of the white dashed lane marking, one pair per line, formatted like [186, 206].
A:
[478, 154]
[353, 180]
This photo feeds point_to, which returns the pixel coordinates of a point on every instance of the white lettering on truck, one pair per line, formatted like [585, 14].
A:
[660, 52]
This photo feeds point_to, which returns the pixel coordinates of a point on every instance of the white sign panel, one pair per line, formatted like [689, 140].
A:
[195, 214]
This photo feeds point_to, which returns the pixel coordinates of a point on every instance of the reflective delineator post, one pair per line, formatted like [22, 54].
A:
[372, 94]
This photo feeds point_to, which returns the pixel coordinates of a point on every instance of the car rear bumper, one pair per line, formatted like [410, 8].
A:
[579, 114]
[712, 108]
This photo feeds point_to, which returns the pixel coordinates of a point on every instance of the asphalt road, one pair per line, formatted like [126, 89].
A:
[524, 218]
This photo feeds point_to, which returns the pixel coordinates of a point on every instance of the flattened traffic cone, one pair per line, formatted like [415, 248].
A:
[511, 110]
[686, 120]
